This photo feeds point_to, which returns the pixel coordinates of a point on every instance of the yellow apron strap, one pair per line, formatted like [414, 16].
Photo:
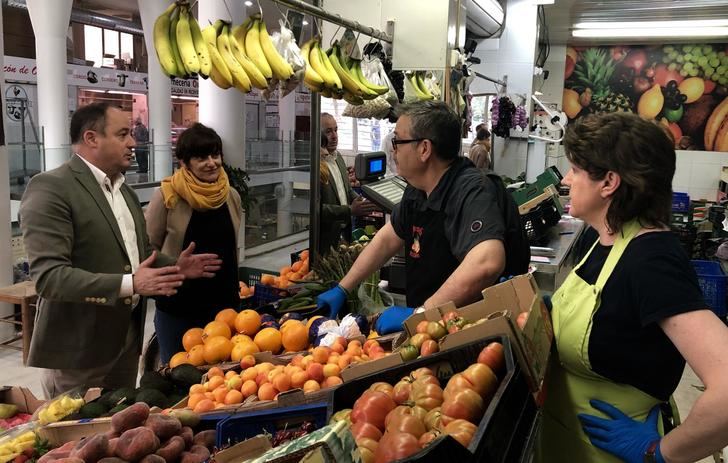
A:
[629, 231]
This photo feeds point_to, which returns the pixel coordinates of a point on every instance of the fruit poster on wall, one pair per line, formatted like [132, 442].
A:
[684, 87]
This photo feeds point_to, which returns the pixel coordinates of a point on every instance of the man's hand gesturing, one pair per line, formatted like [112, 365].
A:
[149, 281]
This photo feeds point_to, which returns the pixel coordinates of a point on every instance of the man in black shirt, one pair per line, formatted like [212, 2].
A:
[461, 230]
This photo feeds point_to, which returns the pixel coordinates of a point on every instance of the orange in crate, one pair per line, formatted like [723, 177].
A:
[192, 338]
[227, 316]
[247, 322]
[178, 359]
[215, 328]
[267, 279]
[217, 349]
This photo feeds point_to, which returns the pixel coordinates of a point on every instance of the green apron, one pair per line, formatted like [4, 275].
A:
[571, 383]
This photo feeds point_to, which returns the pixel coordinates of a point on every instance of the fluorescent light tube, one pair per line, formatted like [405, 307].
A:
[652, 24]
[653, 32]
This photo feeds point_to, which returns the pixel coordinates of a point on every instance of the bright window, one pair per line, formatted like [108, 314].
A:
[93, 45]
[111, 46]
[127, 46]
[345, 124]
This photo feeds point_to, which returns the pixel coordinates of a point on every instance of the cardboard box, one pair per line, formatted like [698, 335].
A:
[244, 451]
[500, 306]
[64, 431]
[21, 397]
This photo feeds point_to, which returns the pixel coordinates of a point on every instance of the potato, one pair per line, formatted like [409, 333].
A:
[112, 460]
[130, 418]
[152, 458]
[189, 457]
[91, 449]
[111, 450]
[172, 449]
[164, 426]
[187, 434]
[135, 444]
[200, 450]
[69, 460]
[205, 438]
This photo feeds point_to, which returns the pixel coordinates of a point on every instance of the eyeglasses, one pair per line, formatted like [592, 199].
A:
[396, 142]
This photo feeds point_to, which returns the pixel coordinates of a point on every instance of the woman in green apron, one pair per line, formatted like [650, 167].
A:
[631, 312]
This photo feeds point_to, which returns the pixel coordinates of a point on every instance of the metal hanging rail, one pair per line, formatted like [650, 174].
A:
[319, 12]
[490, 79]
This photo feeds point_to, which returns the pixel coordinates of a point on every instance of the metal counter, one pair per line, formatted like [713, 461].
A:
[549, 275]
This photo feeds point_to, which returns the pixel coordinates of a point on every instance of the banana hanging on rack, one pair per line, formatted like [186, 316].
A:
[412, 88]
[203, 52]
[367, 93]
[240, 78]
[347, 80]
[312, 79]
[219, 73]
[254, 50]
[318, 66]
[181, 70]
[238, 48]
[378, 89]
[422, 86]
[338, 85]
[279, 66]
[185, 44]
[162, 44]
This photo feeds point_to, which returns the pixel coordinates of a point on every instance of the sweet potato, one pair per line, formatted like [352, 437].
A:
[200, 450]
[91, 449]
[135, 444]
[189, 457]
[153, 458]
[111, 450]
[187, 434]
[112, 460]
[112, 434]
[130, 418]
[164, 426]
[69, 460]
[172, 449]
[54, 455]
[205, 438]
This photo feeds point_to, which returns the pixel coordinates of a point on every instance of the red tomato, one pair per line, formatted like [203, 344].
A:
[428, 437]
[402, 391]
[461, 430]
[436, 330]
[429, 347]
[364, 430]
[382, 387]
[428, 396]
[372, 407]
[492, 355]
[418, 339]
[466, 404]
[433, 419]
[422, 327]
[405, 410]
[483, 380]
[423, 381]
[449, 316]
[394, 446]
[406, 423]
[424, 371]
[456, 383]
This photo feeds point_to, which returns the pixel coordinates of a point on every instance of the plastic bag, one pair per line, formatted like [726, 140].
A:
[286, 46]
[378, 107]
[375, 72]
[60, 407]
[16, 440]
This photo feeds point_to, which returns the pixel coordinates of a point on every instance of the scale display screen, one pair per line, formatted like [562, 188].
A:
[386, 193]
[376, 166]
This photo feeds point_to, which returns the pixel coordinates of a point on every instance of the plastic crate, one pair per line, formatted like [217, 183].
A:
[504, 429]
[266, 294]
[239, 427]
[251, 276]
[538, 220]
[686, 233]
[712, 282]
[680, 202]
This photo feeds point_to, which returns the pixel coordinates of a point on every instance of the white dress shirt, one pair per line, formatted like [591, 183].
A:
[336, 175]
[112, 193]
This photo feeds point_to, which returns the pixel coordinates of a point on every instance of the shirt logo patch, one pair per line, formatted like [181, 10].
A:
[416, 236]
[476, 226]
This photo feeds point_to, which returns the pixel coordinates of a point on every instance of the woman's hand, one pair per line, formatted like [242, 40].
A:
[198, 265]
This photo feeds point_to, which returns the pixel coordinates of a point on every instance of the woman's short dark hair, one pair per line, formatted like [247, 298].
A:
[636, 149]
[482, 134]
[89, 117]
[199, 141]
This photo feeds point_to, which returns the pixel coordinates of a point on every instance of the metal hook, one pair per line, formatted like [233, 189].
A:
[331, 42]
[260, 9]
[228, 10]
[285, 16]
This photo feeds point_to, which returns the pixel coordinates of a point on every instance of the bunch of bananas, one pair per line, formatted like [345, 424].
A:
[716, 129]
[415, 86]
[59, 408]
[178, 42]
[337, 76]
[14, 446]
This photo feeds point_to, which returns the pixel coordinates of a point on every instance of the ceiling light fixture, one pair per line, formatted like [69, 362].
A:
[248, 3]
[305, 23]
[653, 32]
[651, 24]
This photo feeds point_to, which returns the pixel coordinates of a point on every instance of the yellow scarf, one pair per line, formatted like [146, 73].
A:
[198, 194]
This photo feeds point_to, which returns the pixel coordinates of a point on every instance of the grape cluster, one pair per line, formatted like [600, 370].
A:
[697, 60]
[673, 98]
[502, 113]
[519, 118]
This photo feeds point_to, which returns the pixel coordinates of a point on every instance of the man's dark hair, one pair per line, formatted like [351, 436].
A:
[636, 149]
[435, 121]
[199, 141]
[90, 117]
[482, 134]
[479, 126]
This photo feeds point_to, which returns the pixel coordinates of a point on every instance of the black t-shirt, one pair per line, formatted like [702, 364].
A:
[477, 208]
[212, 231]
[653, 280]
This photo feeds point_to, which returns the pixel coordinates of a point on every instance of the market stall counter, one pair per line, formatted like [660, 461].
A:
[554, 261]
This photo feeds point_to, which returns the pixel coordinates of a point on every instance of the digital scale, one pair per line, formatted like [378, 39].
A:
[384, 192]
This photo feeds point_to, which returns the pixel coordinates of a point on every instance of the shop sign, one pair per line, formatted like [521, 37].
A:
[24, 70]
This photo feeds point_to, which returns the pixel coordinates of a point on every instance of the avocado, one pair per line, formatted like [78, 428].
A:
[93, 410]
[186, 375]
[151, 397]
[126, 394]
[154, 380]
[105, 398]
[116, 409]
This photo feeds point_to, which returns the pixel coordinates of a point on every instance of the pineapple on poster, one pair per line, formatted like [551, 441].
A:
[683, 86]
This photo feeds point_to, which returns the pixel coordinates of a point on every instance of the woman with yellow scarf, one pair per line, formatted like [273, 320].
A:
[195, 204]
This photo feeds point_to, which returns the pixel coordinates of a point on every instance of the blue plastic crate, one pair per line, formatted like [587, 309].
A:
[712, 282]
[680, 202]
[239, 427]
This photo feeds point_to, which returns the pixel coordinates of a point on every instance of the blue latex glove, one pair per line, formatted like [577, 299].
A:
[333, 299]
[622, 436]
[391, 320]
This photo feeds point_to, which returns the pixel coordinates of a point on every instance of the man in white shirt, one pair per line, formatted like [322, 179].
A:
[339, 202]
[91, 261]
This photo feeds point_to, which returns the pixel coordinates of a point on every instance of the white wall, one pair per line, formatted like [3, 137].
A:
[698, 172]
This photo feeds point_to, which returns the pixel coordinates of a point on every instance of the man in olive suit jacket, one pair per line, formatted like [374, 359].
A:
[91, 261]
